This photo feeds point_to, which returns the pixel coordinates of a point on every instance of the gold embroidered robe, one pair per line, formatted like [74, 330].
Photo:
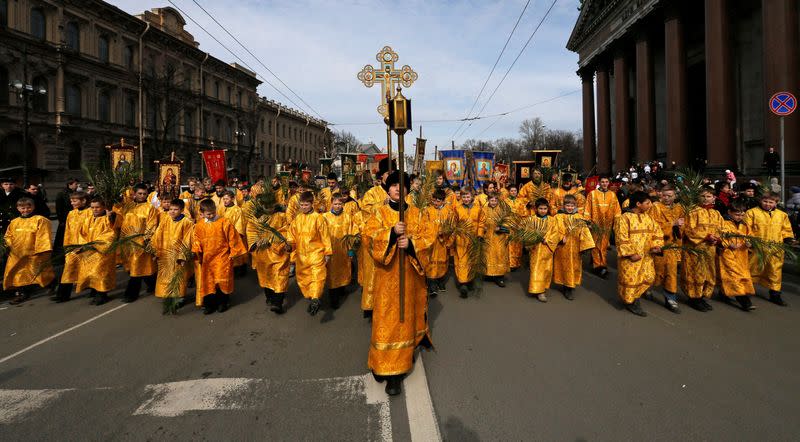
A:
[271, 263]
[636, 234]
[372, 201]
[567, 263]
[73, 235]
[30, 244]
[698, 273]
[215, 245]
[340, 266]
[170, 239]
[98, 269]
[496, 249]
[734, 265]
[540, 257]
[601, 209]
[666, 264]
[474, 214]
[773, 226]
[141, 218]
[308, 235]
[437, 257]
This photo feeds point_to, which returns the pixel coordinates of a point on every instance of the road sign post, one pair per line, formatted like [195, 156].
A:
[783, 104]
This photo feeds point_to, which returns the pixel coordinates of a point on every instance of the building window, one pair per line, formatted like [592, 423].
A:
[104, 107]
[188, 124]
[73, 36]
[127, 56]
[38, 23]
[269, 150]
[270, 127]
[73, 100]
[217, 128]
[74, 156]
[229, 97]
[239, 99]
[3, 82]
[102, 48]
[130, 111]
[40, 101]
[187, 79]
[229, 132]
[216, 90]
[3, 13]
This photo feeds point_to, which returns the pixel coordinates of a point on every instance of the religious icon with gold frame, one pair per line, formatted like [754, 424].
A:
[169, 179]
[546, 161]
[525, 172]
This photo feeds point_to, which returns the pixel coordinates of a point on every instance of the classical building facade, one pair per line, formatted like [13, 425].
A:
[110, 75]
[687, 82]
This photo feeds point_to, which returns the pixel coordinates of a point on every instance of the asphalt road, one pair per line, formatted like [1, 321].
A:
[506, 367]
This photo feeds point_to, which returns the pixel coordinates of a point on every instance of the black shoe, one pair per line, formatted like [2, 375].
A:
[208, 309]
[463, 291]
[367, 314]
[432, 294]
[223, 304]
[100, 299]
[705, 303]
[568, 293]
[20, 298]
[394, 385]
[59, 299]
[378, 378]
[636, 308]
[313, 307]
[775, 298]
[745, 303]
[672, 305]
[335, 298]
[129, 299]
[602, 272]
[500, 282]
[697, 305]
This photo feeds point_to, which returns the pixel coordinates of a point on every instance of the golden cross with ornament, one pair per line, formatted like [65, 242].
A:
[387, 75]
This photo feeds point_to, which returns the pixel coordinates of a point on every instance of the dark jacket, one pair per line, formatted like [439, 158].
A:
[40, 204]
[62, 205]
[8, 207]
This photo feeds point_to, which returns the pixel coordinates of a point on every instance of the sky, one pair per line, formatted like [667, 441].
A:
[318, 46]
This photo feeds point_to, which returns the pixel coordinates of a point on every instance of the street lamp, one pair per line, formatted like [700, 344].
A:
[24, 92]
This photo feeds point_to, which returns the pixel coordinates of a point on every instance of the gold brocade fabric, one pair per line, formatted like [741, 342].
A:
[474, 214]
[370, 202]
[235, 215]
[271, 263]
[72, 236]
[496, 245]
[436, 265]
[541, 257]
[480, 200]
[773, 226]
[698, 273]
[326, 197]
[392, 343]
[351, 208]
[733, 266]
[666, 265]
[636, 234]
[29, 241]
[141, 218]
[514, 248]
[556, 198]
[215, 244]
[170, 238]
[601, 209]
[98, 270]
[567, 263]
[530, 192]
[339, 266]
[308, 236]
[292, 207]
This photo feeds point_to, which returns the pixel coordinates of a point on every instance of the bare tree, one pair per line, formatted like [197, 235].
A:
[507, 150]
[570, 145]
[533, 132]
[166, 100]
[344, 142]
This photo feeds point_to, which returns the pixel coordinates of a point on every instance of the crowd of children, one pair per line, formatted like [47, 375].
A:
[209, 235]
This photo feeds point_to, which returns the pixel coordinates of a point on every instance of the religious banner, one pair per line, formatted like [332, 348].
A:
[374, 162]
[523, 171]
[482, 167]
[215, 165]
[325, 166]
[501, 173]
[419, 159]
[349, 164]
[169, 178]
[455, 165]
[433, 166]
[546, 159]
[122, 155]
[591, 183]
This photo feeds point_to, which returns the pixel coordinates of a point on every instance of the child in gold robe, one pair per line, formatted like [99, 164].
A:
[669, 217]
[557, 196]
[767, 223]
[471, 213]
[269, 257]
[215, 244]
[140, 219]
[602, 207]
[436, 267]
[733, 260]
[496, 242]
[372, 200]
[339, 225]
[573, 237]
[29, 243]
[702, 231]
[541, 254]
[98, 268]
[72, 237]
[172, 237]
[235, 216]
[638, 237]
[399, 321]
[517, 206]
[309, 237]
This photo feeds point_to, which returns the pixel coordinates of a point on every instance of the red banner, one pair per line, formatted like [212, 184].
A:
[215, 165]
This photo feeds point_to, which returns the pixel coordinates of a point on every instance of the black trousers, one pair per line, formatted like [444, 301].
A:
[135, 285]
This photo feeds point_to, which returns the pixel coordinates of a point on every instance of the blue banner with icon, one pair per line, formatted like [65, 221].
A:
[455, 166]
[482, 168]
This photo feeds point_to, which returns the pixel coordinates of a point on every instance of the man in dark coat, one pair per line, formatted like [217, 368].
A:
[9, 195]
[771, 161]
[62, 210]
[40, 203]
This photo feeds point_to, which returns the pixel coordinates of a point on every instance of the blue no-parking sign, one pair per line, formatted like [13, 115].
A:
[783, 103]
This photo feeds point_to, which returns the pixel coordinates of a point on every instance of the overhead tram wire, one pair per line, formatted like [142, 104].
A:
[502, 51]
[256, 58]
[234, 54]
[538, 26]
[500, 116]
[456, 120]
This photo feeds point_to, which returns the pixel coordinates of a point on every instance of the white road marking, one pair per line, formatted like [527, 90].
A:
[175, 398]
[421, 416]
[376, 394]
[48, 339]
[15, 405]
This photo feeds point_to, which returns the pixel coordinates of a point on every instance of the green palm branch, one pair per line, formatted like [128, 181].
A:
[181, 256]
[764, 249]
[267, 235]
[698, 252]
[688, 182]
[109, 184]
[130, 239]
[351, 242]
[528, 231]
